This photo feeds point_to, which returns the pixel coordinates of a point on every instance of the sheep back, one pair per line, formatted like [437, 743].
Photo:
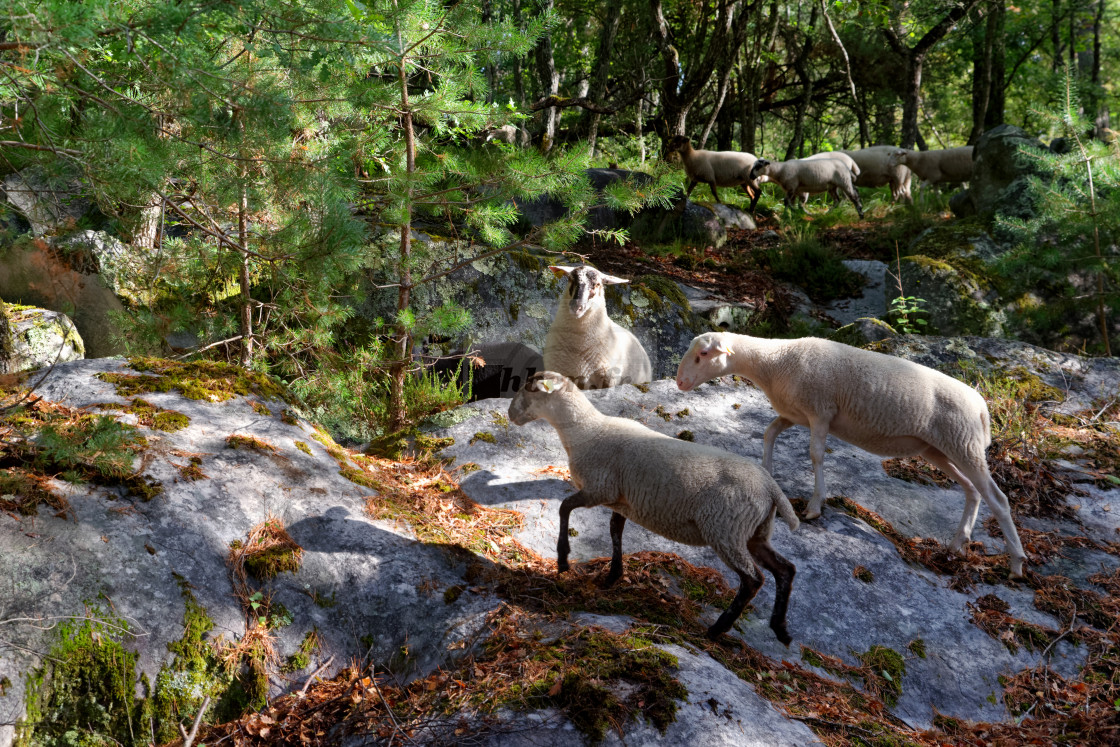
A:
[687, 492]
[608, 356]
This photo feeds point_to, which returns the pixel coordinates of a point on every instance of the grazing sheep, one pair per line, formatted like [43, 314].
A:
[840, 156]
[876, 171]
[935, 166]
[686, 492]
[584, 344]
[808, 176]
[882, 404]
[716, 168]
[505, 133]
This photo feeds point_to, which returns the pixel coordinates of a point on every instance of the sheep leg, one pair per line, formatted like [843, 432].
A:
[818, 435]
[754, 194]
[618, 521]
[579, 500]
[714, 194]
[853, 195]
[777, 425]
[977, 473]
[750, 581]
[783, 572]
[971, 497]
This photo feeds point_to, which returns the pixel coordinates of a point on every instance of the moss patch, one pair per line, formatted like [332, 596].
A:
[887, 666]
[209, 381]
[301, 659]
[260, 408]
[483, 436]
[302, 446]
[269, 551]
[251, 443]
[192, 470]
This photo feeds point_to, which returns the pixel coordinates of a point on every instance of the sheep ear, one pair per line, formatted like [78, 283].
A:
[548, 386]
[718, 346]
[561, 271]
[611, 279]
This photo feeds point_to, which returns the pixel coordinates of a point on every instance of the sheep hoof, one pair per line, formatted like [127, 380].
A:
[1017, 571]
[610, 580]
[562, 566]
[783, 636]
[812, 514]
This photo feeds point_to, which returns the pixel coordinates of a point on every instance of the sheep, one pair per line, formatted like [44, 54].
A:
[875, 171]
[686, 492]
[840, 156]
[882, 404]
[808, 176]
[583, 343]
[716, 168]
[935, 166]
[505, 134]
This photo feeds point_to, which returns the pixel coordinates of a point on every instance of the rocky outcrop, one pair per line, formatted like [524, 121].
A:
[512, 297]
[36, 338]
[947, 267]
[696, 222]
[1002, 161]
[138, 569]
[49, 203]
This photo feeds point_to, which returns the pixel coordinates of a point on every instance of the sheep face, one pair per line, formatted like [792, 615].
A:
[532, 401]
[756, 170]
[678, 144]
[708, 357]
[585, 287]
[897, 158]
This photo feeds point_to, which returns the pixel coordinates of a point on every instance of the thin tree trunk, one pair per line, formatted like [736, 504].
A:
[398, 370]
[857, 106]
[550, 83]
[243, 276]
[491, 62]
[997, 94]
[601, 70]
[725, 79]
[983, 44]
[1055, 35]
[518, 81]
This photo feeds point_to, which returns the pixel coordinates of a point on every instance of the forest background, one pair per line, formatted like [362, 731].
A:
[268, 157]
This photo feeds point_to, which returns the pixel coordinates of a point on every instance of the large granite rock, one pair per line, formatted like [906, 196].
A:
[1002, 161]
[32, 338]
[512, 298]
[697, 222]
[48, 203]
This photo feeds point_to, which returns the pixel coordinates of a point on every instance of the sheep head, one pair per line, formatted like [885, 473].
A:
[534, 400]
[897, 157]
[678, 144]
[708, 357]
[585, 287]
[756, 170]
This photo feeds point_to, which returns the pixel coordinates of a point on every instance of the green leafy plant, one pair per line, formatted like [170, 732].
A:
[904, 309]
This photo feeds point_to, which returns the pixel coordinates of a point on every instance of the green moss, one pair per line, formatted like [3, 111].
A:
[390, 445]
[863, 573]
[301, 659]
[289, 417]
[662, 413]
[260, 408]
[686, 436]
[593, 667]
[659, 290]
[432, 443]
[170, 421]
[452, 594]
[302, 446]
[271, 562]
[483, 436]
[209, 381]
[643, 388]
[917, 647]
[192, 470]
[251, 443]
[500, 420]
[468, 467]
[684, 413]
[144, 488]
[889, 665]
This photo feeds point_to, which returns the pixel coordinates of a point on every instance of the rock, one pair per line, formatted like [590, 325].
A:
[872, 301]
[730, 316]
[830, 611]
[49, 203]
[999, 172]
[38, 273]
[947, 268]
[863, 331]
[98, 253]
[367, 586]
[512, 297]
[961, 204]
[38, 338]
[697, 222]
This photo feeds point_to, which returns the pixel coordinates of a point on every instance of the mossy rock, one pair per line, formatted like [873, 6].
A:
[957, 298]
[863, 332]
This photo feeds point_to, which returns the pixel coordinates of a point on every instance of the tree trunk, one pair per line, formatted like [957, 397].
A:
[725, 80]
[983, 44]
[491, 62]
[550, 84]
[601, 70]
[801, 65]
[857, 105]
[996, 95]
[518, 81]
[243, 275]
[1055, 35]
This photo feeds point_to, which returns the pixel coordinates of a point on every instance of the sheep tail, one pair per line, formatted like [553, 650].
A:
[785, 509]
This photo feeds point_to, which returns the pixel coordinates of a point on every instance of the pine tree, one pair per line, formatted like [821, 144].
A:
[1070, 246]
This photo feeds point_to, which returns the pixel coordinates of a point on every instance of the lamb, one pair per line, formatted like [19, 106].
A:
[716, 168]
[935, 166]
[840, 156]
[882, 404]
[686, 492]
[584, 344]
[876, 171]
[808, 176]
[505, 134]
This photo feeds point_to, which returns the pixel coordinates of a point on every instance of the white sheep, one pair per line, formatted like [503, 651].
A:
[882, 404]
[807, 176]
[505, 134]
[716, 168]
[841, 156]
[935, 166]
[584, 344]
[686, 492]
[876, 171]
